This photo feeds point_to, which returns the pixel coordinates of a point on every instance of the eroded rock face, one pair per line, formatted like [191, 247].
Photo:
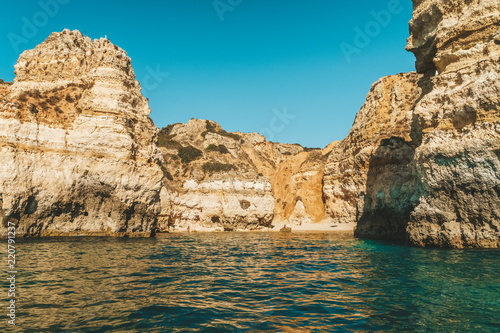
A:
[228, 203]
[451, 34]
[386, 113]
[234, 181]
[457, 161]
[297, 187]
[78, 149]
[421, 162]
[210, 182]
[441, 188]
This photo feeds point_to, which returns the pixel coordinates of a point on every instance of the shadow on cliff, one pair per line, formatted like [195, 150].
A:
[426, 84]
[393, 188]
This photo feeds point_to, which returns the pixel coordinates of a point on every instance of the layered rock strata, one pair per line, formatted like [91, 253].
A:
[77, 148]
[446, 35]
[421, 162]
[216, 180]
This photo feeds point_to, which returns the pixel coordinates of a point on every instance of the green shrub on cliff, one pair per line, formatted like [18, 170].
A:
[220, 148]
[189, 154]
[170, 144]
[211, 129]
[229, 135]
[165, 139]
[217, 167]
[307, 149]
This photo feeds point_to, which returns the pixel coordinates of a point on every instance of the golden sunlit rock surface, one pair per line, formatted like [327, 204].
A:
[236, 181]
[77, 148]
[451, 34]
[421, 162]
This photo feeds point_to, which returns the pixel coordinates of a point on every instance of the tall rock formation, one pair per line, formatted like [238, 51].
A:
[447, 35]
[385, 114]
[421, 162]
[77, 149]
[80, 156]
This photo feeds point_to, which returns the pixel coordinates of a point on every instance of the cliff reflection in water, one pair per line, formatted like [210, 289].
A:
[252, 282]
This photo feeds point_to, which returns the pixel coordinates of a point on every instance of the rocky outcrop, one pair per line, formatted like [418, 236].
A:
[216, 180]
[80, 155]
[430, 172]
[297, 186]
[385, 114]
[447, 35]
[421, 162]
[78, 149]
[457, 162]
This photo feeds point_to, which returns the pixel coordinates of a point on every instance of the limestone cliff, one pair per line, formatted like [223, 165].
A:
[421, 162]
[446, 35]
[79, 154]
[297, 187]
[216, 180]
[386, 113]
[77, 149]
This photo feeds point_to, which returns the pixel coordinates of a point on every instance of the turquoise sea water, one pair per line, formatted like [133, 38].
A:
[252, 282]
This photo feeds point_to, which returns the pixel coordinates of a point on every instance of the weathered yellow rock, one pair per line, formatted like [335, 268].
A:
[421, 162]
[385, 114]
[238, 180]
[78, 149]
[450, 34]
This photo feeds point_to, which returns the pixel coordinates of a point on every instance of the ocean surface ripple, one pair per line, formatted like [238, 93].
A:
[252, 282]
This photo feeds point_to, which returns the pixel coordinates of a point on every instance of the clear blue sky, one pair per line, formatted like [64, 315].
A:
[264, 55]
